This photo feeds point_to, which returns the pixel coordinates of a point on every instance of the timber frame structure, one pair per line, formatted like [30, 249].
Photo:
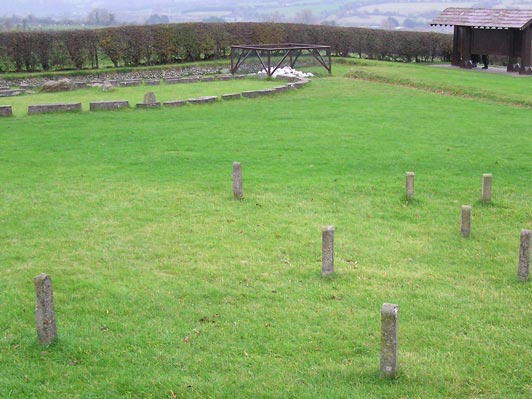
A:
[290, 51]
[490, 32]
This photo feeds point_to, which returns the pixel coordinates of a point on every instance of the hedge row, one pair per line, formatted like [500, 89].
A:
[174, 43]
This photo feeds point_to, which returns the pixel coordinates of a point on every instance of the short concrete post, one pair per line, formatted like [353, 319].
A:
[409, 185]
[465, 229]
[44, 311]
[523, 271]
[486, 187]
[389, 340]
[327, 250]
[237, 180]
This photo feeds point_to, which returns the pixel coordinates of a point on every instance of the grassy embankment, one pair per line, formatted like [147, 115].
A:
[167, 287]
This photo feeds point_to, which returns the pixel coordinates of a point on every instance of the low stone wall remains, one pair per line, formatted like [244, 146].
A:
[149, 105]
[108, 105]
[176, 103]
[293, 83]
[234, 96]
[47, 108]
[202, 100]
[6, 110]
[129, 83]
[152, 82]
[11, 93]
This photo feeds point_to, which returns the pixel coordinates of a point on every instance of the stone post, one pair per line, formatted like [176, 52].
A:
[409, 185]
[486, 187]
[465, 229]
[44, 311]
[237, 180]
[327, 250]
[389, 340]
[523, 272]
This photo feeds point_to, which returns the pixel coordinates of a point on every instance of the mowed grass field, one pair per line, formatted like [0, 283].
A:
[167, 287]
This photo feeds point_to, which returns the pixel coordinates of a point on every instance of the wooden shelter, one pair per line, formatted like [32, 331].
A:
[490, 32]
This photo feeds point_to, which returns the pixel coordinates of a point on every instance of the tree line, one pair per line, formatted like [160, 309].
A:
[175, 43]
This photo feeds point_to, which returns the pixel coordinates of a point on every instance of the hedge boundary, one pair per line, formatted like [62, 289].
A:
[133, 46]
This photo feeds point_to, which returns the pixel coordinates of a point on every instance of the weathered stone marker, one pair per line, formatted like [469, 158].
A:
[523, 272]
[150, 101]
[44, 311]
[389, 340]
[149, 98]
[409, 185]
[486, 187]
[327, 250]
[465, 228]
[237, 180]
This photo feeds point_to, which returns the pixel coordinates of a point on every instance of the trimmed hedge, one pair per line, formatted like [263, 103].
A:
[174, 43]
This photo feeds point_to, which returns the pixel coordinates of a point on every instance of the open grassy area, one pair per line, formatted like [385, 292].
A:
[166, 287]
[502, 88]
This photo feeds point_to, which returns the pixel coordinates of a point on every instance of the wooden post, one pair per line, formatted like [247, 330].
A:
[526, 52]
[455, 56]
[44, 311]
[512, 50]
[465, 46]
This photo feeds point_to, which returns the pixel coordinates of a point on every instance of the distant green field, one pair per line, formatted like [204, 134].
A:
[167, 287]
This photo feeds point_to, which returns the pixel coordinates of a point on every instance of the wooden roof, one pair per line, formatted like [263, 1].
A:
[484, 18]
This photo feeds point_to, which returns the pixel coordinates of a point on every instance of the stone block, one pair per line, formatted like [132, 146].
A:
[234, 96]
[53, 86]
[11, 93]
[108, 105]
[6, 110]
[152, 105]
[130, 83]
[251, 93]
[203, 100]
[48, 108]
[175, 103]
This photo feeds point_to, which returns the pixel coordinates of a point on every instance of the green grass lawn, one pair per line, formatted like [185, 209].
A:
[502, 88]
[167, 287]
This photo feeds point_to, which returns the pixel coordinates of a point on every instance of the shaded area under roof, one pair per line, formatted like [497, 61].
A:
[484, 18]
